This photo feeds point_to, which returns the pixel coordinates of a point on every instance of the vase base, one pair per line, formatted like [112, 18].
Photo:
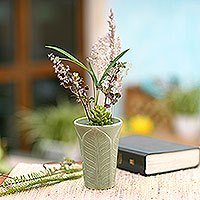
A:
[100, 188]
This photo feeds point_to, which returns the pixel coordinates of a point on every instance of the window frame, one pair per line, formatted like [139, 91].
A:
[23, 70]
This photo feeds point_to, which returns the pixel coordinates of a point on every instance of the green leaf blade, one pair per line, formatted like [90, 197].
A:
[68, 55]
[112, 64]
[93, 74]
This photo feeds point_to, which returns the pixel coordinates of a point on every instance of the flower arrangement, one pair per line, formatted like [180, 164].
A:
[105, 70]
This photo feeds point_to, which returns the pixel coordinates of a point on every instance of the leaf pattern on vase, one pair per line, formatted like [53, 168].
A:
[99, 151]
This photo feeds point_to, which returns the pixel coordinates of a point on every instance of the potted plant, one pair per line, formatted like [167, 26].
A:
[185, 107]
[98, 131]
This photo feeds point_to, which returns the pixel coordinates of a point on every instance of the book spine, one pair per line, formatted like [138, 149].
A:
[131, 161]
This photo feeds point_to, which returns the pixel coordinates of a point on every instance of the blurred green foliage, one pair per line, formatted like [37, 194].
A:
[4, 168]
[53, 122]
[184, 101]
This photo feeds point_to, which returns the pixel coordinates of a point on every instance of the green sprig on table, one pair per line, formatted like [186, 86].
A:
[48, 176]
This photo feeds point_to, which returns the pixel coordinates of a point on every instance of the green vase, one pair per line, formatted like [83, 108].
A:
[99, 147]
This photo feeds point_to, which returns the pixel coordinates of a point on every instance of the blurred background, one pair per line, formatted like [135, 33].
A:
[161, 95]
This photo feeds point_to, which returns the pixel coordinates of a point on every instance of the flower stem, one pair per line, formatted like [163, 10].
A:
[94, 88]
[105, 100]
[84, 106]
[96, 97]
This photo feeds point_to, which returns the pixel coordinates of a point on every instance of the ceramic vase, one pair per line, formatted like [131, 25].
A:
[99, 148]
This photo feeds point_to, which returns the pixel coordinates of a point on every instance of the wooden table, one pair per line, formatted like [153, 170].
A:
[184, 184]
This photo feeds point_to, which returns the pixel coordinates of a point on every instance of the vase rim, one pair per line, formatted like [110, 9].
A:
[87, 125]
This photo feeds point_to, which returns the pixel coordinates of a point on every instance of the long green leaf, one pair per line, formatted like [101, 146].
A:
[73, 61]
[71, 58]
[112, 64]
[93, 74]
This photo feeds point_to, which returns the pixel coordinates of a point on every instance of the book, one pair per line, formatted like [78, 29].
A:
[148, 156]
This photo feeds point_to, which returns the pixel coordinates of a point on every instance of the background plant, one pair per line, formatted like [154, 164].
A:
[53, 122]
[184, 101]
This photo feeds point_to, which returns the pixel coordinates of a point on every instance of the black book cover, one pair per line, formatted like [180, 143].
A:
[134, 149]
